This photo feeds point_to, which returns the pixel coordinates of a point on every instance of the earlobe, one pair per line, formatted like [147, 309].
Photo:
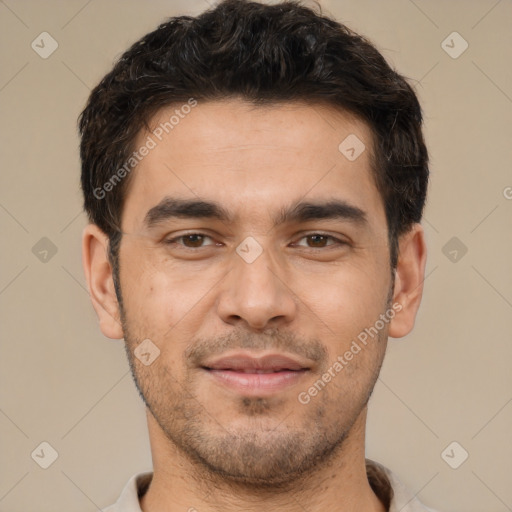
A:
[409, 277]
[98, 274]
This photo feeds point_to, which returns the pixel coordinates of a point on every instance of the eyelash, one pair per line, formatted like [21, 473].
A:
[172, 241]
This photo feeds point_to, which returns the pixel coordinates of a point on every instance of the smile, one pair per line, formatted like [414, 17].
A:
[257, 382]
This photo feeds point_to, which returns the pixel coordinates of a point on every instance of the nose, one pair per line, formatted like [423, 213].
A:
[256, 294]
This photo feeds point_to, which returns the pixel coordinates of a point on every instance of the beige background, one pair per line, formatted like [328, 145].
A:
[64, 383]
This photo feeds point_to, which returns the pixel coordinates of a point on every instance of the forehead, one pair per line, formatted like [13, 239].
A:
[252, 159]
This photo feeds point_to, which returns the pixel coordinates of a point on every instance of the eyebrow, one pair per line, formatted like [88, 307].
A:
[300, 212]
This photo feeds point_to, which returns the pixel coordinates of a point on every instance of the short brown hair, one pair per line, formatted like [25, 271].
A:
[263, 54]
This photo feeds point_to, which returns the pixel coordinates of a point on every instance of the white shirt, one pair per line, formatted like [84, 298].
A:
[384, 482]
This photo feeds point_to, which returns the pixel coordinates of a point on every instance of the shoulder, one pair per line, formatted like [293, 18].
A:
[402, 499]
[128, 500]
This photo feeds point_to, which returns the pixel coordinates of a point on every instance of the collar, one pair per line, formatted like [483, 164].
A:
[386, 485]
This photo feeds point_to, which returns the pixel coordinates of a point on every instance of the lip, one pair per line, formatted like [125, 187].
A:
[257, 375]
[240, 361]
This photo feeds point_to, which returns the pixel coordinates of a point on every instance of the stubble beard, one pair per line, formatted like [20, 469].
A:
[263, 454]
[282, 456]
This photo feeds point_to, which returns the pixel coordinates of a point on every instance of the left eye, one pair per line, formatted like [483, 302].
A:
[319, 240]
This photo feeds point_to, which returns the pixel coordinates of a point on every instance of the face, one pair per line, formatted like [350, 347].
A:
[254, 256]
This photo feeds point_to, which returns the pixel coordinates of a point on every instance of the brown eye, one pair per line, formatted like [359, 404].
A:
[319, 241]
[189, 241]
[193, 240]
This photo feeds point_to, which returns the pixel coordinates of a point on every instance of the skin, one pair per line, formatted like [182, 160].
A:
[213, 448]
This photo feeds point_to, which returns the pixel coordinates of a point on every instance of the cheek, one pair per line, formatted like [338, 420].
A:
[156, 299]
[147, 291]
[346, 306]
[160, 297]
[350, 294]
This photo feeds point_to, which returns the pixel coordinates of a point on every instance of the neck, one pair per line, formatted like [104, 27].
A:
[339, 484]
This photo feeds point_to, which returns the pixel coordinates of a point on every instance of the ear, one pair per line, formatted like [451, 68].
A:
[409, 277]
[98, 274]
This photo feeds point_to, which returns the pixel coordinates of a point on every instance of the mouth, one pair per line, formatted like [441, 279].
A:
[251, 375]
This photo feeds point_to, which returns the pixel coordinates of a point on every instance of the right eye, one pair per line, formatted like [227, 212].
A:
[190, 240]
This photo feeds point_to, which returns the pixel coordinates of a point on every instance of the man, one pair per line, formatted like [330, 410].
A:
[254, 179]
